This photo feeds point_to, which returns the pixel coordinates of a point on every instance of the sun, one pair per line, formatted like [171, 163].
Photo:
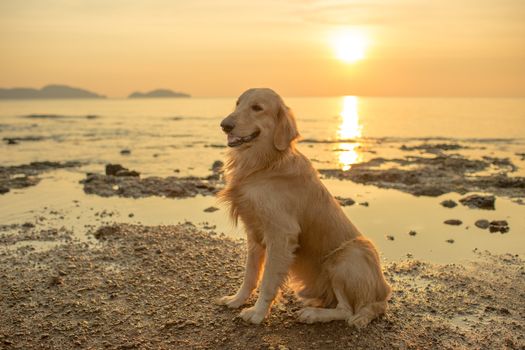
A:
[349, 46]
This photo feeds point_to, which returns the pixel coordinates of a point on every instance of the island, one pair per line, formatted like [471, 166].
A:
[47, 92]
[159, 93]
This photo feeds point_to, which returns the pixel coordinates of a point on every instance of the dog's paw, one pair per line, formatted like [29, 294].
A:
[231, 301]
[358, 321]
[307, 315]
[252, 315]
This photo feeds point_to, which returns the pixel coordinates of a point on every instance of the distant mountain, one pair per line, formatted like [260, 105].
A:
[47, 92]
[159, 93]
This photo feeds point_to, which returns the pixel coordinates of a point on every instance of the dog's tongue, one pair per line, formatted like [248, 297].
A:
[233, 139]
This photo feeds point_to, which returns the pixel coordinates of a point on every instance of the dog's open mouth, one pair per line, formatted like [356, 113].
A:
[234, 141]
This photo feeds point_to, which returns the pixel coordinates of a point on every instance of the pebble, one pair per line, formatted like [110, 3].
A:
[448, 203]
[454, 222]
[501, 226]
[483, 224]
[119, 170]
[476, 201]
[217, 166]
[344, 202]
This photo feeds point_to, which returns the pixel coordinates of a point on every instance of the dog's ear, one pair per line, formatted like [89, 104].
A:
[285, 130]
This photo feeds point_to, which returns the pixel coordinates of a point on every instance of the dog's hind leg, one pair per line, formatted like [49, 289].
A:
[343, 311]
[367, 313]
[355, 274]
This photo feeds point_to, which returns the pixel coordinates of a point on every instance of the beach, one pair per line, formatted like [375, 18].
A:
[111, 235]
[143, 287]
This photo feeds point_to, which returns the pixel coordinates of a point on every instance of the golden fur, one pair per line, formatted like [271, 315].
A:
[294, 225]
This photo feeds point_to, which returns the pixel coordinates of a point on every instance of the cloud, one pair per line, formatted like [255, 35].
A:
[411, 12]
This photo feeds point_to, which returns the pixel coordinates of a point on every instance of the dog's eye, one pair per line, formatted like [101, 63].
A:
[256, 108]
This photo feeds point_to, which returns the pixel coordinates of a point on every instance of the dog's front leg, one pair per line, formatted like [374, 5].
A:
[278, 260]
[254, 261]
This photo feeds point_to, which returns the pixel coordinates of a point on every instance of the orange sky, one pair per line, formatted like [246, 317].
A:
[219, 48]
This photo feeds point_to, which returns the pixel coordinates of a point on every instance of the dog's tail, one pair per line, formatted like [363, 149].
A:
[367, 313]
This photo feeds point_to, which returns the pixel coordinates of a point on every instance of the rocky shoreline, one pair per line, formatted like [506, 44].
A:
[26, 175]
[435, 176]
[120, 181]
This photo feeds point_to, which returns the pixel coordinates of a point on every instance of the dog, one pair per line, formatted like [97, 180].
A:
[294, 226]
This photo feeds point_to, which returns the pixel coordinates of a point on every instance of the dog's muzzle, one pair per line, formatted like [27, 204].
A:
[234, 141]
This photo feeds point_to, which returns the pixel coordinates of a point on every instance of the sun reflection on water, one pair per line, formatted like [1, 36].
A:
[349, 130]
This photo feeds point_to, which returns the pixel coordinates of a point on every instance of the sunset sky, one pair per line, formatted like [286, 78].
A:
[299, 48]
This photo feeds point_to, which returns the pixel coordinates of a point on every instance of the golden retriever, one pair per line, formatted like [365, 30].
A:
[294, 225]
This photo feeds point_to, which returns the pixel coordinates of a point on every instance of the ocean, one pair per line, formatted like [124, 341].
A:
[181, 137]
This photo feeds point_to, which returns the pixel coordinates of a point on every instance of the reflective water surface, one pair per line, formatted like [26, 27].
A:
[182, 137]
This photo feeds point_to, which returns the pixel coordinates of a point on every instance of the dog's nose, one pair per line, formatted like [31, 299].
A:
[227, 125]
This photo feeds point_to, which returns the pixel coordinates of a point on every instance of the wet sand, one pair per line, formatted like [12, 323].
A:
[139, 287]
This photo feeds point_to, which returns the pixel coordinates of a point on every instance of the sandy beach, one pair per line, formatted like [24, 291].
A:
[141, 287]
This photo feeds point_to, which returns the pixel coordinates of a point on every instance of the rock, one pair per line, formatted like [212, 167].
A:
[479, 202]
[345, 201]
[127, 172]
[216, 167]
[119, 170]
[454, 222]
[448, 203]
[390, 238]
[56, 280]
[364, 204]
[501, 226]
[105, 232]
[429, 191]
[502, 311]
[483, 224]
[450, 241]
[11, 141]
[412, 233]
[112, 169]
[432, 148]
[211, 209]
[424, 176]
[25, 175]
[125, 152]
[136, 187]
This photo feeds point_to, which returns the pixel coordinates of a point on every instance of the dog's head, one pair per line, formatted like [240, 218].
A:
[260, 119]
